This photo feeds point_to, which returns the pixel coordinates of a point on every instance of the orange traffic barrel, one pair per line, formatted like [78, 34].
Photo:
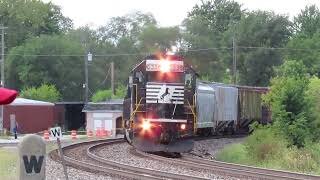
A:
[46, 135]
[73, 134]
[104, 133]
[89, 134]
[98, 132]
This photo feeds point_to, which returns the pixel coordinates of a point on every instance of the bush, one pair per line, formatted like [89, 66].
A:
[270, 151]
[45, 92]
[104, 95]
[289, 106]
[121, 91]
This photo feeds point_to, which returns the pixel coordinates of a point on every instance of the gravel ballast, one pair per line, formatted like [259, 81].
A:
[121, 153]
[209, 148]
[54, 171]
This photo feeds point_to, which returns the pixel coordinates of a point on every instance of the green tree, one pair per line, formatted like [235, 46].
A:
[153, 39]
[305, 49]
[258, 29]
[290, 109]
[29, 18]
[203, 29]
[121, 36]
[47, 59]
[45, 92]
[307, 23]
[305, 42]
[128, 26]
[313, 96]
[215, 15]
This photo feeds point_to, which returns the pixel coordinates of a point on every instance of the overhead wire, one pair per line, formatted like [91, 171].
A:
[105, 79]
[146, 53]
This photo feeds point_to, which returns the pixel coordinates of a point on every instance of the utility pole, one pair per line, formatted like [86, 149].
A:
[2, 74]
[2, 56]
[86, 91]
[234, 62]
[112, 78]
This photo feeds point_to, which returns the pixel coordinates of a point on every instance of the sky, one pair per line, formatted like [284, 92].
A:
[96, 13]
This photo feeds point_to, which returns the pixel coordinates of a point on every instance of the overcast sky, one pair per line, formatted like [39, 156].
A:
[167, 12]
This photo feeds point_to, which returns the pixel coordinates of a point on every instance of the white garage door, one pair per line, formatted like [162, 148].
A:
[97, 124]
[102, 121]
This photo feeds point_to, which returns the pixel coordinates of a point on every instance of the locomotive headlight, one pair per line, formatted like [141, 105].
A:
[164, 66]
[183, 126]
[146, 125]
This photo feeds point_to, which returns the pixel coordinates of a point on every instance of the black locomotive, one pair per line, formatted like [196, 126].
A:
[159, 108]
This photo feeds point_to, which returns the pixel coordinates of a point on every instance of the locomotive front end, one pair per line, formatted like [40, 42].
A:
[162, 112]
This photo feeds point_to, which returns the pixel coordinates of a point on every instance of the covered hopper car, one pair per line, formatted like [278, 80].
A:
[229, 109]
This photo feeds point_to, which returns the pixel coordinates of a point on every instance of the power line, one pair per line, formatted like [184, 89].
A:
[145, 54]
[208, 49]
[105, 79]
[278, 48]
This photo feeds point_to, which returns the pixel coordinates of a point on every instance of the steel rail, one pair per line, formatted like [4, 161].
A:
[234, 169]
[255, 171]
[98, 168]
[122, 173]
[151, 172]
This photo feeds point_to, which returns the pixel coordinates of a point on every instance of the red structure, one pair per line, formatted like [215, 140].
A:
[7, 96]
[30, 115]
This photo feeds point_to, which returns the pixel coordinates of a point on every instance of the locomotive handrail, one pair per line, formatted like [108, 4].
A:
[134, 112]
[136, 92]
[194, 117]
[194, 105]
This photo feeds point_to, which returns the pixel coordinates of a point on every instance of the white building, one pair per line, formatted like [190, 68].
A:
[104, 115]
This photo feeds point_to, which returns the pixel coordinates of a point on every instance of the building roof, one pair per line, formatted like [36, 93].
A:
[29, 102]
[114, 101]
[69, 102]
[109, 106]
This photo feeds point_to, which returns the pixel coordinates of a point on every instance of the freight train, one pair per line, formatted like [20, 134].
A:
[165, 106]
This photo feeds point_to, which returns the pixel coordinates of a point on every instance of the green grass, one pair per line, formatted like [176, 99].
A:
[235, 153]
[5, 137]
[9, 157]
[8, 164]
[304, 160]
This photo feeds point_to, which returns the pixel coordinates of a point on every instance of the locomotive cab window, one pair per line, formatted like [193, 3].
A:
[139, 77]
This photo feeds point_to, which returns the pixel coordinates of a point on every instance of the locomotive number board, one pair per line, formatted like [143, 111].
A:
[157, 65]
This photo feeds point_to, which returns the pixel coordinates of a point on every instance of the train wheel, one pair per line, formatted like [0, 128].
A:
[207, 132]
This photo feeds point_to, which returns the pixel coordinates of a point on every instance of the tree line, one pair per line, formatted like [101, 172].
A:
[43, 47]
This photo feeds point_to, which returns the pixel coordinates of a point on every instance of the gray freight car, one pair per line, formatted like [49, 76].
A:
[205, 100]
[217, 108]
[230, 108]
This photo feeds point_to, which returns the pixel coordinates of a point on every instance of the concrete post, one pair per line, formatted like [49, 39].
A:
[32, 158]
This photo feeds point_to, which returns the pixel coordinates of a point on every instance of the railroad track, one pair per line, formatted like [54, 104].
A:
[89, 160]
[95, 163]
[229, 169]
